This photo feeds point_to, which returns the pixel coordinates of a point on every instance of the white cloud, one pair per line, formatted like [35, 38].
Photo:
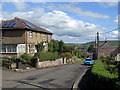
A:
[108, 4]
[0, 13]
[20, 5]
[116, 19]
[115, 32]
[78, 11]
[62, 0]
[67, 28]
[9, 15]
[63, 26]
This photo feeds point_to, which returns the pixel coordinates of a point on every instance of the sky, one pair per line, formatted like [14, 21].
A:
[72, 22]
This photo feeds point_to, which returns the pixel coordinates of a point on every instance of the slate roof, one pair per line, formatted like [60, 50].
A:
[117, 50]
[18, 23]
[107, 47]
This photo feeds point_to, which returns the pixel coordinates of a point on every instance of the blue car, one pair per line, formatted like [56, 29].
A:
[88, 61]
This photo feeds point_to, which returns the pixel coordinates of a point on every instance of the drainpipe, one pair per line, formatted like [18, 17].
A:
[26, 41]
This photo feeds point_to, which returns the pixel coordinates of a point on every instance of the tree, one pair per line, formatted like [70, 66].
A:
[61, 45]
[55, 45]
[40, 47]
[50, 46]
[4, 21]
[91, 48]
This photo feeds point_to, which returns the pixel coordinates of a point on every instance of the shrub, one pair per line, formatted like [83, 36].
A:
[13, 58]
[100, 69]
[25, 58]
[66, 54]
[44, 56]
[40, 47]
[102, 77]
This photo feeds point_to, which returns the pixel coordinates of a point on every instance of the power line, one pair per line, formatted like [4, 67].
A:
[110, 31]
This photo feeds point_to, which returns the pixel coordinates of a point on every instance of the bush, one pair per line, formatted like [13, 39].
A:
[101, 77]
[25, 58]
[44, 56]
[100, 69]
[13, 58]
[67, 54]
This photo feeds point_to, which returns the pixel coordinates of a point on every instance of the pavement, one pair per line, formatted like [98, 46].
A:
[60, 77]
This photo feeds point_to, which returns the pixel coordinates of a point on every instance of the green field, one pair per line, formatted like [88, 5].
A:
[112, 43]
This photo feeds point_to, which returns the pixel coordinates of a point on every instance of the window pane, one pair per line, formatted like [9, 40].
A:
[3, 48]
[30, 34]
[9, 48]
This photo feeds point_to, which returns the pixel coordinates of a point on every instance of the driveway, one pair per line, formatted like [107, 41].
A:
[54, 77]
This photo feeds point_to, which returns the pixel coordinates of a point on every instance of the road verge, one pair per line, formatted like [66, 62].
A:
[76, 83]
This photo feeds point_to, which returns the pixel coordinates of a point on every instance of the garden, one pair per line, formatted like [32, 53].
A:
[56, 49]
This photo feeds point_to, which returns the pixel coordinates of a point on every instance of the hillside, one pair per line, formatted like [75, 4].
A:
[113, 43]
[110, 42]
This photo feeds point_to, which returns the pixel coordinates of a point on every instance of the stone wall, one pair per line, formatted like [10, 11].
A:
[59, 61]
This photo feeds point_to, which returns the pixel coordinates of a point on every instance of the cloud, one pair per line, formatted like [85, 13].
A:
[62, 0]
[78, 11]
[60, 23]
[116, 19]
[20, 5]
[114, 35]
[0, 13]
[67, 28]
[108, 4]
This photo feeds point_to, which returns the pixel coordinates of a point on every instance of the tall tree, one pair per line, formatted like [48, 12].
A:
[50, 46]
[91, 48]
[61, 45]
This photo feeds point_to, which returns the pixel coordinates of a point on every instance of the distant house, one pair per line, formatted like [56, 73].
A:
[21, 36]
[105, 50]
[116, 54]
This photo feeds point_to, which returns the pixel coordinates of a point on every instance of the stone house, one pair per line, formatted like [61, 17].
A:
[21, 36]
[116, 54]
[105, 50]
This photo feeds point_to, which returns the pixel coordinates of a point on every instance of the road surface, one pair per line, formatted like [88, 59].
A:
[54, 77]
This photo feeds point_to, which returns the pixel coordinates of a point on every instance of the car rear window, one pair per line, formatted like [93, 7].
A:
[88, 59]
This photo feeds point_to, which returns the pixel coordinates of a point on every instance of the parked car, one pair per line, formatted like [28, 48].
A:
[88, 61]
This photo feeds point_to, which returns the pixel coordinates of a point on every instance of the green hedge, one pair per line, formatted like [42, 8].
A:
[101, 77]
[44, 56]
[99, 68]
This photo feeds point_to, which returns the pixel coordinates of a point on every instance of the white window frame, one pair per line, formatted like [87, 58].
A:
[30, 34]
[12, 48]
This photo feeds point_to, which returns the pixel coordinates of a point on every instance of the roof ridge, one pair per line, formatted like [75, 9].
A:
[21, 22]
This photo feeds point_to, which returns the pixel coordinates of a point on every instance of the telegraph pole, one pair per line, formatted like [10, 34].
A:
[97, 45]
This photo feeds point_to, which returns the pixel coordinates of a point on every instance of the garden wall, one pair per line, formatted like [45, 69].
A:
[56, 62]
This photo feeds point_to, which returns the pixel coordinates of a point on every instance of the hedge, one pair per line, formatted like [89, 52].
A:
[101, 77]
[25, 58]
[44, 56]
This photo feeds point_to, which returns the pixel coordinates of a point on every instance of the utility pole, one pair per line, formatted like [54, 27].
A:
[96, 53]
[97, 45]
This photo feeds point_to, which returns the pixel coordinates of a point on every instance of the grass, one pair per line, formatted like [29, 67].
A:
[99, 68]
[102, 77]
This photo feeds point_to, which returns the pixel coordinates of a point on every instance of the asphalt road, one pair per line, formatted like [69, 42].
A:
[54, 77]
